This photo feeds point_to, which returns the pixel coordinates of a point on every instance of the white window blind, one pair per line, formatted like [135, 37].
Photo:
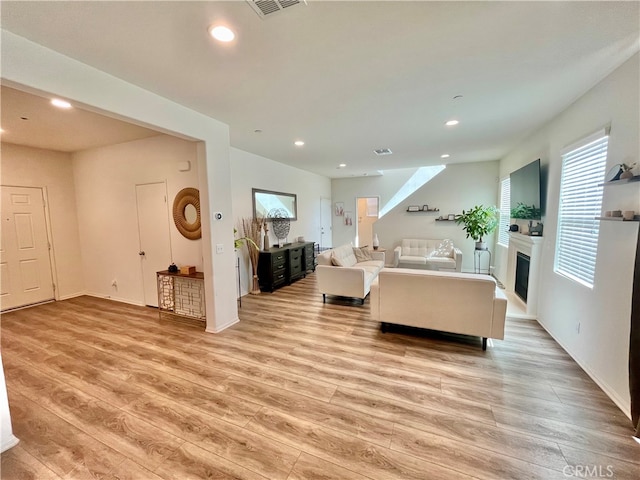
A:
[583, 170]
[505, 212]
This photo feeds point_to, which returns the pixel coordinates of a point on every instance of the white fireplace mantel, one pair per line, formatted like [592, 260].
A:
[532, 247]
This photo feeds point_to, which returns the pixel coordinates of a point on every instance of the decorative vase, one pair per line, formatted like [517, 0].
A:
[376, 242]
[626, 174]
[267, 243]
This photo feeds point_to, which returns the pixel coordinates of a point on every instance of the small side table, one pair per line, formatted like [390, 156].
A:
[239, 284]
[477, 261]
[181, 294]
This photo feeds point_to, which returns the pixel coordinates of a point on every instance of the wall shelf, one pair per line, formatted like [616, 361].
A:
[423, 210]
[636, 218]
[613, 183]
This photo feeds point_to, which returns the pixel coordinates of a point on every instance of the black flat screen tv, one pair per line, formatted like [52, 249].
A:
[525, 191]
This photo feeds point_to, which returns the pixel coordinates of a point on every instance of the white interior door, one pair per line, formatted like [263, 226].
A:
[25, 265]
[155, 240]
[325, 223]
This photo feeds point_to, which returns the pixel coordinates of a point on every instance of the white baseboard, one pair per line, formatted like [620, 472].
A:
[221, 328]
[8, 443]
[72, 295]
[610, 392]
[115, 299]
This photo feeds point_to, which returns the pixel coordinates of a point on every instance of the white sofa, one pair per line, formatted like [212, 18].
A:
[427, 254]
[353, 278]
[462, 303]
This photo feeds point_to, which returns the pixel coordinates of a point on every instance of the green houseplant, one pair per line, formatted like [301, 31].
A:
[238, 242]
[478, 222]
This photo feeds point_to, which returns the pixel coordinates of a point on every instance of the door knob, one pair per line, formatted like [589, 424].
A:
[141, 253]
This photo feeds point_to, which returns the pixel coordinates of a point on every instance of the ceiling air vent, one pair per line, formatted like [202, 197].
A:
[268, 7]
[382, 151]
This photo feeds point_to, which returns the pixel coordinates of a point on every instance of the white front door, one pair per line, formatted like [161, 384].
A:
[155, 241]
[25, 265]
[325, 223]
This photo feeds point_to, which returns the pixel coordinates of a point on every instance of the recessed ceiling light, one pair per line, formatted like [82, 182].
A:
[445, 155]
[451, 123]
[221, 33]
[298, 143]
[342, 165]
[257, 130]
[457, 97]
[56, 102]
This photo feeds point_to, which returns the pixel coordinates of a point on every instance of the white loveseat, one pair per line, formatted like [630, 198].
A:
[340, 273]
[462, 303]
[427, 254]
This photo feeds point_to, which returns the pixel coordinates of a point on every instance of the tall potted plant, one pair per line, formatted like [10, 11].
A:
[478, 222]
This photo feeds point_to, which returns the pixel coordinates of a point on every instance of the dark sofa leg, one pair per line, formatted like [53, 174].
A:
[383, 327]
[324, 298]
[362, 302]
[484, 343]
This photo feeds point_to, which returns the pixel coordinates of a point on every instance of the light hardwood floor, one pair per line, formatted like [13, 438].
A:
[297, 390]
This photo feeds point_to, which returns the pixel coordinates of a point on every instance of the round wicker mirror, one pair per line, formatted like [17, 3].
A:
[187, 200]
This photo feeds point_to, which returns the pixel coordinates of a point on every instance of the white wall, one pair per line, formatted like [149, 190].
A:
[32, 67]
[602, 346]
[34, 167]
[365, 223]
[253, 171]
[346, 190]
[458, 187]
[106, 180]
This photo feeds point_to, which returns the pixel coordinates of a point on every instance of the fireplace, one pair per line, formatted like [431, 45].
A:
[522, 275]
[525, 255]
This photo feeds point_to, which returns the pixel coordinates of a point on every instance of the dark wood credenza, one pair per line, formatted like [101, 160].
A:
[280, 266]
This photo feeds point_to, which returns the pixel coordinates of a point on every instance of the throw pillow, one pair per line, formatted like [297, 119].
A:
[445, 249]
[344, 256]
[362, 254]
[335, 260]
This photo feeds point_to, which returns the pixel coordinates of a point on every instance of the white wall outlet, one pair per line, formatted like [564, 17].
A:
[219, 248]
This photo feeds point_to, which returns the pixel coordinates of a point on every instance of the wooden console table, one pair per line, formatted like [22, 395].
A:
[279, 266]
[181, 294]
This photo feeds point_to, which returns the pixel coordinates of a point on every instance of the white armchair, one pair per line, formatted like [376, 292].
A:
[428, 255]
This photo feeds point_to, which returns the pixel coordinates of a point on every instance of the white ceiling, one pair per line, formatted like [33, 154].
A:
[31, 120]
[350, 77]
